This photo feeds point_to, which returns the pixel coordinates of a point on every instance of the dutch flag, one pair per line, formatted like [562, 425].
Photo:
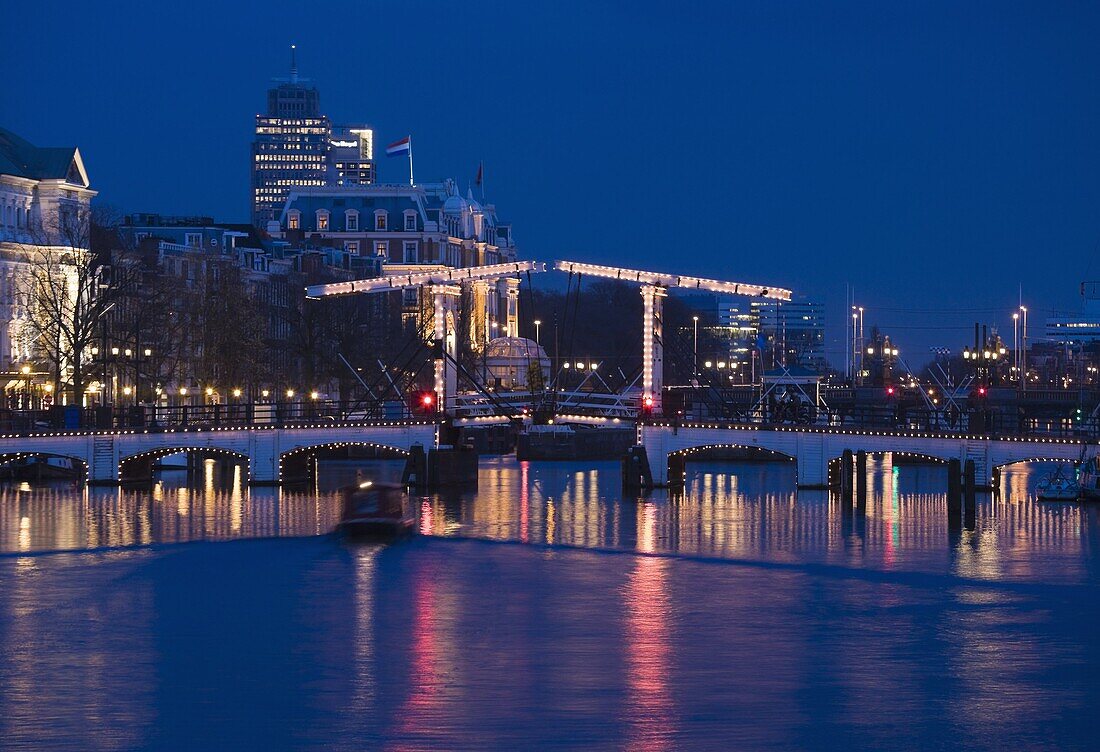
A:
[397, 148]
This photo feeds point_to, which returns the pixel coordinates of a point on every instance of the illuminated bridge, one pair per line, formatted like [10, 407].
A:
[668, 446]
[107, 455]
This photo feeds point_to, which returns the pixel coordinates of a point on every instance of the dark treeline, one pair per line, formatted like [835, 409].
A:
[601, 322]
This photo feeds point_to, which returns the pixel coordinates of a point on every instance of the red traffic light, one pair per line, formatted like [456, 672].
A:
[647, 402]
[981, 391]
[890, 390]
[427, 399]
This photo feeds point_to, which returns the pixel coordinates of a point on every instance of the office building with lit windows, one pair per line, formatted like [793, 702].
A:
[351, 156]
[790, 333]
[296, 147]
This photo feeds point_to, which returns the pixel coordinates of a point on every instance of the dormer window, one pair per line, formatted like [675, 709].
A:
[380, 219]
[293, 219]
[351, 220]
[322, 220]
[410, 221]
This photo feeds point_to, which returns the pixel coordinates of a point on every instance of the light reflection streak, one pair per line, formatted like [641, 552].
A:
[426, 517]
[649, 699]
[431, 664]
[524, 501]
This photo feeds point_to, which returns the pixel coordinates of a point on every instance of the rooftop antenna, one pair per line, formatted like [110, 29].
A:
[293, 64]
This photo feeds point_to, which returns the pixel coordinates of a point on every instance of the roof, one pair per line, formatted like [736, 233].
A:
[23, 159]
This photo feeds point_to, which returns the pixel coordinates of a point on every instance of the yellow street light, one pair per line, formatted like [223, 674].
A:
[289, 393]
[236, 392]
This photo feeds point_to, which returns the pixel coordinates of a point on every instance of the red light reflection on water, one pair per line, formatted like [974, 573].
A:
[427, 669]
[649, 711]
[425, 517]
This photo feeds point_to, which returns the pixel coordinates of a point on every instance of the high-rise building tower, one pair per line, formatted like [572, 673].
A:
[291, 146]
[351, 158]
[297, 147]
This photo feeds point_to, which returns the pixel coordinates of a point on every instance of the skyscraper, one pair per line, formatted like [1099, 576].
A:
[291, 145]
[297, 147]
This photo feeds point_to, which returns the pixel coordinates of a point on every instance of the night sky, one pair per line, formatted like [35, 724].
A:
[933, 156]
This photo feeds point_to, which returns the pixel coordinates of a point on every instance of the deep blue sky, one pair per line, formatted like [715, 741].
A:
[933, 155]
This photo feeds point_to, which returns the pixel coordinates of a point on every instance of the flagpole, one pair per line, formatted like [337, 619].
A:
[411, 162]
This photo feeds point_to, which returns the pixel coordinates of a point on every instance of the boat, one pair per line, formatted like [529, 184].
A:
[41, 467]
[1058, 486]
[376, 511]
[1088, 478]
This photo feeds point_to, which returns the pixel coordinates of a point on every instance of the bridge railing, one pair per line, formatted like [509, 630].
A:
[286, 413]
[887, 418]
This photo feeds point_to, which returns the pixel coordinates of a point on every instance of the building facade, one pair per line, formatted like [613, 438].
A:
[791, 333]
[45, 198]
[296, 147]
[412, 228]
[1078, 328]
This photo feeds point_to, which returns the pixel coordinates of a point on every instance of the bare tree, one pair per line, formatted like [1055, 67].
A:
[66, 290]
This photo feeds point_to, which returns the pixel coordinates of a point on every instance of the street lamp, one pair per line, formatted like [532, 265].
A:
[695, 348]
[538, 323]
[1023, 349]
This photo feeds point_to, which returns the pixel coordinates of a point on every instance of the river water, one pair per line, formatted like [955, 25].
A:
[547, 611]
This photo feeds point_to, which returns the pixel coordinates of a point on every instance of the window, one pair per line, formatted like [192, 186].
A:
[322, 220]
[410, 221]
[380, 220]
[409, 296]
[352, 247]
[193, 239]
[380, 249]
[293, 219]
[412, 252]
[351, 220]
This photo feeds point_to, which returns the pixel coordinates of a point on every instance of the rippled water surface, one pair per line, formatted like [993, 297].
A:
[545, 610]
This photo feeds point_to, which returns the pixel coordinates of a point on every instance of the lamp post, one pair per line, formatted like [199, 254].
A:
[26, 371]
[538, 323]
[1023, 351]
[857, 354]
[1016, 344]
[861, 343]
[695, 349]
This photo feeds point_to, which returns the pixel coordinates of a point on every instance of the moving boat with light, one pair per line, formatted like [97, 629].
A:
[376, 511]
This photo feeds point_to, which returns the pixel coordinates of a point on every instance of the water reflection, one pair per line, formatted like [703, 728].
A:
[216, 504]
[727, 510]
[843, 627]
[753, 511]
[646, 636]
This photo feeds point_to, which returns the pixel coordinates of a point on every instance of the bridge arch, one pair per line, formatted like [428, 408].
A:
[145, 459]
[291, 457]
[730, 452]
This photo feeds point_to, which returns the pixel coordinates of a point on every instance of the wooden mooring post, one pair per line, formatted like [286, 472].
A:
[861, 481]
